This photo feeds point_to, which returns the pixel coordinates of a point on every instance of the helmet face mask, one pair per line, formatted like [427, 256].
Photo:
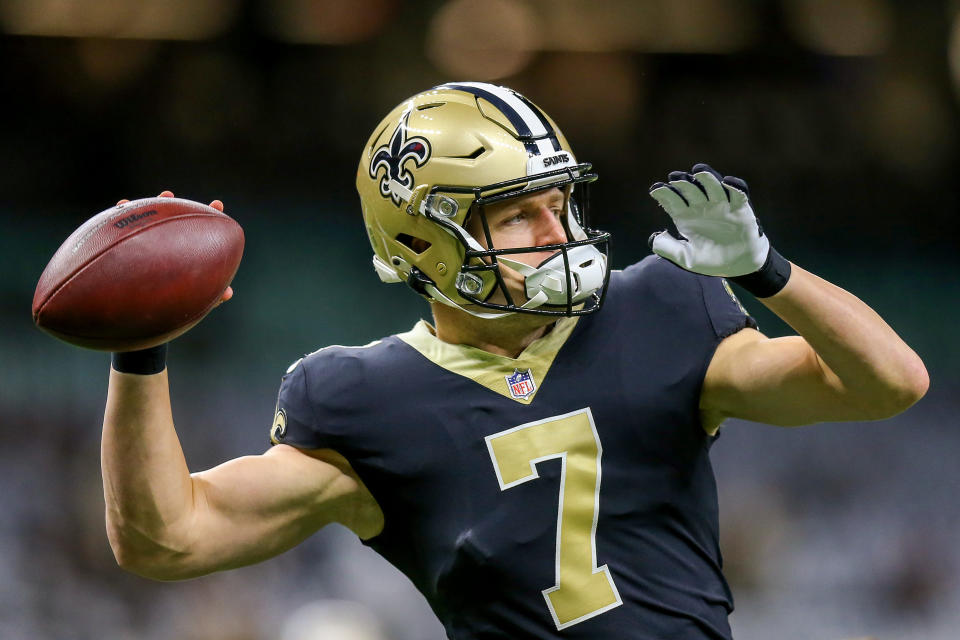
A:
[445, 155]
[579, 261]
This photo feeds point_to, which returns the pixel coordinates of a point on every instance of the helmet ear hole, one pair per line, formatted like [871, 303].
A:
[417, 245]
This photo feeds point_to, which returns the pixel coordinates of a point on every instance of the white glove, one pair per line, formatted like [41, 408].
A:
[721, 235]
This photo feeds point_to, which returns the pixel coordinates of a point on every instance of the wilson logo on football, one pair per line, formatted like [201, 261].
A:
[123, 222]
[394, 155]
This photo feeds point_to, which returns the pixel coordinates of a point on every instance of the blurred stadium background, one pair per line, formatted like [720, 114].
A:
[842, 115]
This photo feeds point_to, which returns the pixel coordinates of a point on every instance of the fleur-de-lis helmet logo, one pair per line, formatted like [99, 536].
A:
[392, 157]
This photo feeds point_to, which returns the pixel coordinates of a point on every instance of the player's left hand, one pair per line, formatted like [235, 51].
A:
[720, 233]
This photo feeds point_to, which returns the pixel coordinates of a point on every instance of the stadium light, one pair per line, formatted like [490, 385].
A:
[143, 19]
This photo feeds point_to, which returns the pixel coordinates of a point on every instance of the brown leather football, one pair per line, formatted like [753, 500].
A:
[138, 274]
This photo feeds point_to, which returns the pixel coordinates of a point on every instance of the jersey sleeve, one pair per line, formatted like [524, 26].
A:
[294, 422]
[727, 315]
[661, 292]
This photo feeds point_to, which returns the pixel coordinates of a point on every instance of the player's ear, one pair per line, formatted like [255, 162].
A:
[419, 245]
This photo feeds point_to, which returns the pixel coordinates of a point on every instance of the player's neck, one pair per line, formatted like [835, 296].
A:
[507, 336]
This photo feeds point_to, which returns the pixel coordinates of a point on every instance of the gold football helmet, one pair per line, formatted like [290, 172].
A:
[437, 159]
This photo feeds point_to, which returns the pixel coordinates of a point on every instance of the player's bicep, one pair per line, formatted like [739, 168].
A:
[255, 507]
[778, 381]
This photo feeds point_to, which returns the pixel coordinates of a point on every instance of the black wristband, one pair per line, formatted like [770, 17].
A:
[767, 280]
[144, 362]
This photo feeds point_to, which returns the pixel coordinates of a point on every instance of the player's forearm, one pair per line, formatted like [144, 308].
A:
[874, 365]
[146, 483]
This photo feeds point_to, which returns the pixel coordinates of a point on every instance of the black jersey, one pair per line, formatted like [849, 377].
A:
[566, 493]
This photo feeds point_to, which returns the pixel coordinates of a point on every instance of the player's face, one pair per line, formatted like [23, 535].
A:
[532, 220]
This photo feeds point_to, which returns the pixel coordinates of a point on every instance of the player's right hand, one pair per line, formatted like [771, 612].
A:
[166, 193]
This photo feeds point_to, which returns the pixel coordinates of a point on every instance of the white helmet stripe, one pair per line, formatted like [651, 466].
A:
[541, 139]
[533, 124]
[546, 123]
[545, 147]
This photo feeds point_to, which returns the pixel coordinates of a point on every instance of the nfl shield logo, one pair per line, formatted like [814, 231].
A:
[521, 384]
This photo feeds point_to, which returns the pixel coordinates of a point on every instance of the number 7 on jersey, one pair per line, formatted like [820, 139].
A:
[582, 590]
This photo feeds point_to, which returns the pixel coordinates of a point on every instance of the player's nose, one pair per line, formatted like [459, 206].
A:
[550, 228]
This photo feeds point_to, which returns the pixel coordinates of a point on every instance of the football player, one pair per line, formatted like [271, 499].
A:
[535, 460]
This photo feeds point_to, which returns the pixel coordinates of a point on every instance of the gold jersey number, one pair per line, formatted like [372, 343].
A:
[582, 589]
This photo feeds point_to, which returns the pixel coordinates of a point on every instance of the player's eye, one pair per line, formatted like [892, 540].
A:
[515, 218]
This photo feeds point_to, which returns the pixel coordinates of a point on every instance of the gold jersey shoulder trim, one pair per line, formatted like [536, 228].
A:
[488, 369]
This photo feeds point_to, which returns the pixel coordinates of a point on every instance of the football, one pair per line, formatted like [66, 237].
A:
[138, 274]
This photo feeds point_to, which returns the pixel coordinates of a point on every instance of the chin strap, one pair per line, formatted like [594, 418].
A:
[419, 282]
[438, 295]
[386, 273]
